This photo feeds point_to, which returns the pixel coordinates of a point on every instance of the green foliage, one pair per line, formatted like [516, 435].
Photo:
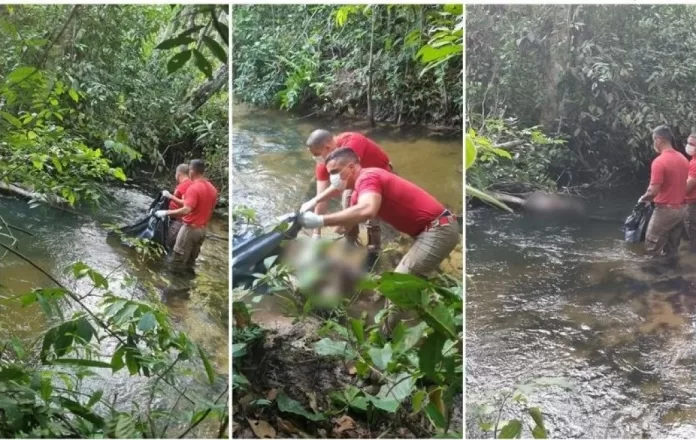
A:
[316, 58]
[87, 99]
[51, 400]
[420, 365]
[601, 75]
[486, 411]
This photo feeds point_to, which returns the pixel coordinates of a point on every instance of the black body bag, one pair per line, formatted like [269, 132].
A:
[150, 227]
[636, 224]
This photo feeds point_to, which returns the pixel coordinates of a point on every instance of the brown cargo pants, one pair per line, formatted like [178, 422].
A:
[188, 245]
[690, 225]
[174, 227]
[664, 231]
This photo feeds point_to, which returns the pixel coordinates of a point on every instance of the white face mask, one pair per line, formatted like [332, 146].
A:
[690, 150]
[319, 159]
[336, 181]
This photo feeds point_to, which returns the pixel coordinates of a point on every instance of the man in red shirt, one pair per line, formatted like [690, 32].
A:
[690, 216]
[321, 143]
[183, 182]
[198, 205]
[402, 204]
[667, 189]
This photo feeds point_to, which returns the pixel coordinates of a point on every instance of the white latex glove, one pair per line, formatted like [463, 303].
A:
[310, 220]
[166, 194]
[162, 213]
[308, 206]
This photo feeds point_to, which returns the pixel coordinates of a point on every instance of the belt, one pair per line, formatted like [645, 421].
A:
[690, 202]
[191, 225]
[670, 205]
[446, 218]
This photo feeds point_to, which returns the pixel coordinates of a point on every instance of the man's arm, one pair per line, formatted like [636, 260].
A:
[177, 200]
[322, 206]
[652, 192]
[366, 208]
[185, 210]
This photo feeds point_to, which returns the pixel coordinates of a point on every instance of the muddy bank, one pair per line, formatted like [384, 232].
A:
[285, 364]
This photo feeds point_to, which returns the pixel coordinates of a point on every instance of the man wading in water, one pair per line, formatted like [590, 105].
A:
[690, 216]
[668, 175]
[321, 143]
[183, 182]
[402, 204]
[198, 205]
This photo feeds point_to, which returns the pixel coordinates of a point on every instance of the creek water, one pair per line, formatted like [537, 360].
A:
[60, 239]
[574, 301]
[274, 172]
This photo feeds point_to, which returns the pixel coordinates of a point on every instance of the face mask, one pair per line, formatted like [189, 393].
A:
[319, 159]
[336, 181]
[690, 150]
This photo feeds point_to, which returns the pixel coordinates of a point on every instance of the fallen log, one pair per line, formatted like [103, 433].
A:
[53, 202]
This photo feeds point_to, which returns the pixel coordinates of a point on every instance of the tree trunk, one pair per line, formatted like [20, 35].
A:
[201, 94]
[553, 67]
[370, 109]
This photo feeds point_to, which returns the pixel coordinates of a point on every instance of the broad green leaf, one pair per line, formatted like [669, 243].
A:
[470, 152]
[119, 174]
[32, 135]
[358, 330]
[177, 61]
[381, 356]
[396, 390]
[428, 54]
[536, 416]
[222, 30]
[18, 347]
[539, 432]
[117, 361]
[147, 322]
[239, 349]
[179, 40]
[441, 319]
[329, 347]
[430, 354]
[418, 400]
[96, 397]
[435, 416]
[385, 404]
[216, 49]
[288, 405]
[125, 427]
[73, 94]
[132, 361]
[84, 329]
[46, 388]
[79, 410]
[412, 336]
[11, 119]
[20, 74]
[513, 429]
[202, 63]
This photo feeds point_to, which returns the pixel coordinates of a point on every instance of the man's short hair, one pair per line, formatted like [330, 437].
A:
[664, 132]
[197, 166]
[182, 169]
[343, 154]
[318, 139]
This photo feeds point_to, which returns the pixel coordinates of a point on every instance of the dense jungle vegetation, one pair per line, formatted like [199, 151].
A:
[91, 95]
[362, 61]
[87, 85]
[569, 93]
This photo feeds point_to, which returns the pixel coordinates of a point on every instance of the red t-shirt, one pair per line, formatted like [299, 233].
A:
[670, 169]
[405, 206]
[179, 193]
[369, 153]
[201, 197]
[692, 174]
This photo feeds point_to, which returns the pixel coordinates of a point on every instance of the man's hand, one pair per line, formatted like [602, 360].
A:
[166, 194]
[162, 213]
[340, 230]
[311, 221]
[308, 206]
